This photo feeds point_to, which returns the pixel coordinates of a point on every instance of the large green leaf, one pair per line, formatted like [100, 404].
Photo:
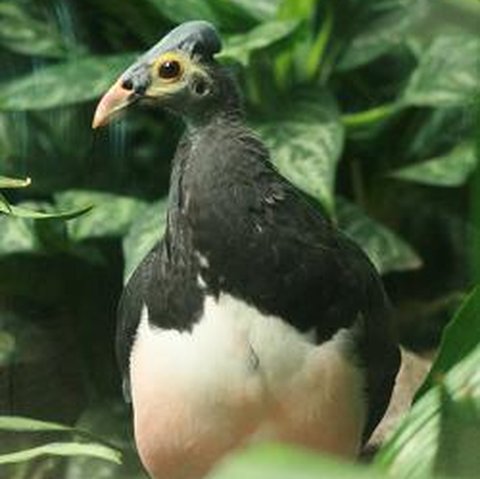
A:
[241, 46]
[64, 449]
[22, 33]
[306, 141]
[459, 338]
[382, 24]
[145, 232]
[452, 169]
[182, 11]
[63, 84]
[447, 74]
[411, 451]
[273, 461]
[110, 216]
[387, 251]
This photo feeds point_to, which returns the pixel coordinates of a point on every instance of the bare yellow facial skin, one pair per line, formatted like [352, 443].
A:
[169, 72]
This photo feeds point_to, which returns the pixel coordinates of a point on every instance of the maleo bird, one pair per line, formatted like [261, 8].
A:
[254, 318]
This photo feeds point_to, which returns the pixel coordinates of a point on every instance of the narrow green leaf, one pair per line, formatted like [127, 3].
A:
[383, 25]
[272, 461]
[110, 217]
[144, 233]
[24, 424]
[11, 183]
[387, 251]
[447, 74]
[306, 141]
[459, 338]
[241, 46]
[411, 451]
[63, 84]
[182, 11]
[452, 169]
[20, 212]
[64, 449]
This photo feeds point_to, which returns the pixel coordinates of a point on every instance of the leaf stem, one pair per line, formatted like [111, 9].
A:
[367, 117]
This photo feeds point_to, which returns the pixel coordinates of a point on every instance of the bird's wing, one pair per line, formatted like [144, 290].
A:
[129, 314]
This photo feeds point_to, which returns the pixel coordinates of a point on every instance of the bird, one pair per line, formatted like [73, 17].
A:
[254, 318]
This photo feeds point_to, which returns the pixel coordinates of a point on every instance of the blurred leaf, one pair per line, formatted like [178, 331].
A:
[63, 84]
[110, 216]
[9, 183]
[452, 169]
[385, 249]
[182, 11]
[62, 449]
[240, 47]
[282, 462]
[7, 348]
[144, 233]
[459, 437]
[447, 74]
[18, 236]
[262, 10]
[300, 10]
[383, 25]
[459, 338]
[411, 451]
[22, 33]
[306, 141]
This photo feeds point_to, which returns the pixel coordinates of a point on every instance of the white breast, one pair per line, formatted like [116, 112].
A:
[239, 376]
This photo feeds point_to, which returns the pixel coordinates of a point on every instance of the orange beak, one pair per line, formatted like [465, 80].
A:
[115, 100]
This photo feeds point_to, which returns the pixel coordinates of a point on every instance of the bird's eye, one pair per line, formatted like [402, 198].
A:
[169, 70]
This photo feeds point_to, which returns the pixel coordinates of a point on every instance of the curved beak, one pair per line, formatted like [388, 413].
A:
[116, 99]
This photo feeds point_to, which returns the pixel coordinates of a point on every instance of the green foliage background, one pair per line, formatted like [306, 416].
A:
[367, 105]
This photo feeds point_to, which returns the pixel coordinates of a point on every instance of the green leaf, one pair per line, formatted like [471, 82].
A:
[240, 47]
[18, 236]
[262, 10]
[383, 25]
[459, 338]
[110, 216]
[145, 232]
[410, 453]
[63, 84]
[20, 212]
[10, 183]
[62, 449]
[182, 11]
[386, 250]
[22, 33]
[447, 74]
[274, 461]
[452, 169]
[306, 141]
[24, 424]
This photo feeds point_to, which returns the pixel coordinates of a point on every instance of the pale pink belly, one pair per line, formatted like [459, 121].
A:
[190, 408]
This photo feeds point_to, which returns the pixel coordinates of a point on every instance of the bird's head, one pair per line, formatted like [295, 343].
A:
[179, 73]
